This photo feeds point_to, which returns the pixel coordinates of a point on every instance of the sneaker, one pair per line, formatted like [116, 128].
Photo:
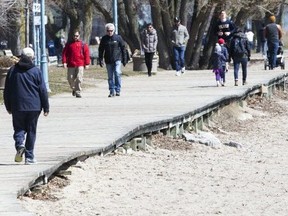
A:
[78, 95]
[111, 95]
[183, 70]
[73, 93]
[19, 154]
[217, 83]
[177, 73]
[118, 94]
[29, 161]
[236, 82]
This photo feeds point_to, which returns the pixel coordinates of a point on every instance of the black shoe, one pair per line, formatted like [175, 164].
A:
[73, 93]
[78, 95]
[118, 94]
[111, 95]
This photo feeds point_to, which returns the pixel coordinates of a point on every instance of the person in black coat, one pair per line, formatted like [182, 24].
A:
[25, 96]
[112, 49]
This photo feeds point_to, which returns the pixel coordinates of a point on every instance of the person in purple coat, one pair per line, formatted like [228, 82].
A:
[25, 96]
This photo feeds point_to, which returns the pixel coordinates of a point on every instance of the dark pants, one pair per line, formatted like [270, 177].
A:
[244, 63]
[25, 123]
[272, 50]
[148, 61]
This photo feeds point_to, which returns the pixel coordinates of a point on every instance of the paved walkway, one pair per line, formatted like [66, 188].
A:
[90, 124]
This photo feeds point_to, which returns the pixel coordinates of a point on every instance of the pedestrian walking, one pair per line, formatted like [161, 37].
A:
[25, 96]
[273, 34]
[240, 53]
[149, 45]
[179, 39]
[76, 58]
[217, 59]
[112, 48]
[225, 27]
[224, 60]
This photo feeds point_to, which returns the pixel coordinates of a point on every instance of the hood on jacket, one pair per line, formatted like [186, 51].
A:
[25, 63]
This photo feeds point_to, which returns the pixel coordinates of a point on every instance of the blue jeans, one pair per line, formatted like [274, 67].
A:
[179, 53]
[243, 62]
[272, 50]
[114, 76]
[25, 124]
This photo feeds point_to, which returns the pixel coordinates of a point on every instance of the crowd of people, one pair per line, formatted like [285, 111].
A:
[25, 93]
[239, 45]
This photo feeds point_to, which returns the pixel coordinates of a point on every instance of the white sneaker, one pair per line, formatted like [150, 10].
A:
[178, 73]
[183, 70]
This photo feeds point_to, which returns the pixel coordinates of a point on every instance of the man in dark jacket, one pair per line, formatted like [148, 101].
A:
[112, 47]
[240, 52]
[25, 96]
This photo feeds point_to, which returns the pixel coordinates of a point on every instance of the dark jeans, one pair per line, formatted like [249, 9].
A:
[148, 61]
[272, 50]
[25, 123]
[243, 62]
[179, 53]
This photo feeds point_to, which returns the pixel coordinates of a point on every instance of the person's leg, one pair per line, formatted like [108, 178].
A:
[222, 74]
[182, 59]
[272, 53]
[117, 77]
[110, 71]
[176, 59]
[31, 128]
[150, 61]
[18, 120]
[79, 79]
[244, 63]
[71, 76]
[275, 51]
[236, 64]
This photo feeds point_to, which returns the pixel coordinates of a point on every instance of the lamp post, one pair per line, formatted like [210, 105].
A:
[115, 15]
[44, 66]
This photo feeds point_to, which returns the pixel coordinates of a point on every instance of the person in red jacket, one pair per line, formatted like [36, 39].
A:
[76, 58]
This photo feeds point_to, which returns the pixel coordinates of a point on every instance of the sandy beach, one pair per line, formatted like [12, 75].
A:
[175, 177]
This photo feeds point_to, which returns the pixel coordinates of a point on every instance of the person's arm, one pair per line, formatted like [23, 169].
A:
[86, 56]
[280, 31]
[64, 56]
[155, 40]
[186, 35]
[123, 51]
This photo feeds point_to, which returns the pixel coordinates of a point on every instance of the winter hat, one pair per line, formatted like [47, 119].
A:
[27, 51]
[217, 48]
[221, 41]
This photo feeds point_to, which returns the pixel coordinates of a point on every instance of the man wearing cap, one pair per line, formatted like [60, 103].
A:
[25, 96]
[179, 39]
[273, 34]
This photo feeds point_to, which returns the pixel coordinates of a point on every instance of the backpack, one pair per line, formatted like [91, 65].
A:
[238, 47]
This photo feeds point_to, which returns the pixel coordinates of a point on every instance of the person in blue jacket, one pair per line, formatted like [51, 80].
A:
[25, 96]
